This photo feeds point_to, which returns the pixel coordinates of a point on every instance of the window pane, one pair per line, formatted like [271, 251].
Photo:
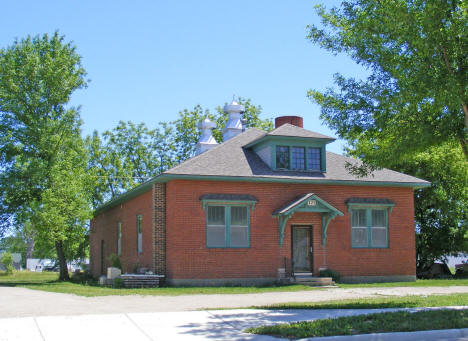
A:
[215, 236]
[358, 218]
[379, 237]
[140, 243]
[282, 157]
[298, 158]
[239, 216]
[139, 234]
[216, 215]
[359, 237]
[378, 218]
[119, 238]
[239, 236]
[313, 158]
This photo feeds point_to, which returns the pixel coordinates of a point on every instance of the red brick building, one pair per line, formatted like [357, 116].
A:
[258, 206]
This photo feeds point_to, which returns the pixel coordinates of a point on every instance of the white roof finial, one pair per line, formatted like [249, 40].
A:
[233, 125]
[207, 140]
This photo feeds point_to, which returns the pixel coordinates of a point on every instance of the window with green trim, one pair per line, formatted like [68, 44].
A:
[369, 228]
[227, 226]
[119, 238]
[139, 234]
[299, 158]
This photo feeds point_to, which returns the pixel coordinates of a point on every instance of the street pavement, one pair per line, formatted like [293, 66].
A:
[23, 302]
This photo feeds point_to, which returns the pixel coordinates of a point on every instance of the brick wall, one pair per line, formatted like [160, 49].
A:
[104, 227]
[175, 244]
[188, 258]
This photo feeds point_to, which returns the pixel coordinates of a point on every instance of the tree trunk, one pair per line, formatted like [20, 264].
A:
[62, 262]
[465, 111]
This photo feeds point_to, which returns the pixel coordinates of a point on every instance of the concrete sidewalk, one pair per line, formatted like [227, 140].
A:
[194, 325]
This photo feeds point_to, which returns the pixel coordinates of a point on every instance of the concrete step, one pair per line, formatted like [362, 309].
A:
[303, 274]
[314, 281]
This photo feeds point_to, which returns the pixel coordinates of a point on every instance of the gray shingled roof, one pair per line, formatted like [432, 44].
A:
[230, 159]
[292, 130]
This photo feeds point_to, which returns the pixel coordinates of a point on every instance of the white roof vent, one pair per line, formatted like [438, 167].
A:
[207, 141]
[234, 122]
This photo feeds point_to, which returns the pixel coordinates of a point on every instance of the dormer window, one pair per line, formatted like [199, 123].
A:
[299, 158]
[291, 147]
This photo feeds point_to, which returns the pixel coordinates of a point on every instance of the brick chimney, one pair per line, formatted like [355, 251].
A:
[294, 120]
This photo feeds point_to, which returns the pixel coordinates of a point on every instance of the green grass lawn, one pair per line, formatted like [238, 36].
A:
[400, 321]
[412, 301]
[417, 283]
[48, 281]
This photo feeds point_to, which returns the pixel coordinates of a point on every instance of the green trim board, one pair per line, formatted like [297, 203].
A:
[307, 203]
[289, 139]
[369, 202]
[164, 178]
[228, 199]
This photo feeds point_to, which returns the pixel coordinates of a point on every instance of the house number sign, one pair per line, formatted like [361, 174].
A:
[311, 203]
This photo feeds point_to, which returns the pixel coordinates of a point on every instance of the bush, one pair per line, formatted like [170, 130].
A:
[330, 273]
[7, 261]
[118, 283]
[82, 277]
[114, 261]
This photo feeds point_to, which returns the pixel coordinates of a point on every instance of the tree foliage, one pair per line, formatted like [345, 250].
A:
[131, 153]
[410, 113]
[417, 92]
[43, 179]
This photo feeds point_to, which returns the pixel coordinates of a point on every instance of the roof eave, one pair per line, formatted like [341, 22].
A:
[166, 177]
[284, 137]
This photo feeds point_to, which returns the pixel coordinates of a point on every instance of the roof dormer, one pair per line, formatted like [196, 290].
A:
[292, 148]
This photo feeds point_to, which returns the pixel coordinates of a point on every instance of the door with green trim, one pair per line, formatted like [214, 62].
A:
[302, 248]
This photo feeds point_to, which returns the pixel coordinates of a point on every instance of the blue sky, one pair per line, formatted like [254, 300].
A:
[147, 60]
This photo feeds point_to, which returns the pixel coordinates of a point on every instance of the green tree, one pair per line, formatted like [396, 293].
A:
[185, 133]
[132, 153]
[417, 91]
[61, 215]
[16, 243]
[126, 156]
[40, 142]
[6, 259]
[440, 210]
[410, 113]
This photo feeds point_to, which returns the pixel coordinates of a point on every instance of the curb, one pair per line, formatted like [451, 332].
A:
[400, 336]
